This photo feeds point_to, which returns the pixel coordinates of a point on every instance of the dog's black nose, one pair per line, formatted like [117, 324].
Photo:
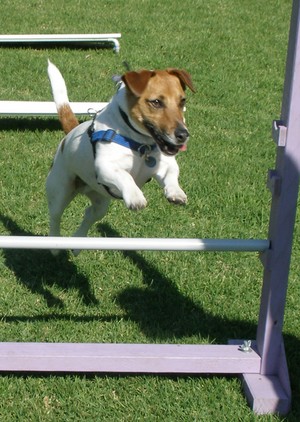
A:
[181, 134]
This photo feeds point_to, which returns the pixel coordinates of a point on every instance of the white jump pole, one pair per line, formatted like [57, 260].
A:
[62, 39]
[120, 243]
[45, 108]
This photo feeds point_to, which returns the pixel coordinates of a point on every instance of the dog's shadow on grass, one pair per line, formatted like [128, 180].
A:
[38, 270]
[161, 311]
[164, 313]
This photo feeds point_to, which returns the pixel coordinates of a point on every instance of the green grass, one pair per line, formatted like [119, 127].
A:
[235, 52]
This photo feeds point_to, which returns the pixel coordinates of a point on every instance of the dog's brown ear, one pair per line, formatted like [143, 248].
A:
[184, 78]
[136, 82]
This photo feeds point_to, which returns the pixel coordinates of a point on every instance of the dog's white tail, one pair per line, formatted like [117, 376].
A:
[66, 116]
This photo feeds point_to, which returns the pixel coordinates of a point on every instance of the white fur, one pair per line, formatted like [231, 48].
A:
[58, 85]
[122, 170]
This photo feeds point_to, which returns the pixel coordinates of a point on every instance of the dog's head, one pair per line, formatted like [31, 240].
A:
[157, 104]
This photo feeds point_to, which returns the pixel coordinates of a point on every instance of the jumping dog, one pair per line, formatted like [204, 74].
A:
[133, 139]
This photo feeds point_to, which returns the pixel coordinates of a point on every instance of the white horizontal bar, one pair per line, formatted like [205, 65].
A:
[44, 108]
[62, 38]
[127, 358]
[20, 38]
[118, 243]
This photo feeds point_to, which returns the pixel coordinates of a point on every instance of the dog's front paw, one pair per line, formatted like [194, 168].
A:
[176, 195]
[135, 201]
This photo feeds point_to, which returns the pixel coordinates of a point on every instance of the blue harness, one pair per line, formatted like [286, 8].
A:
[112, 136]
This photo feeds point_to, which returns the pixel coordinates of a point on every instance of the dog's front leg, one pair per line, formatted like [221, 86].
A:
[167, 177]
[121, 183]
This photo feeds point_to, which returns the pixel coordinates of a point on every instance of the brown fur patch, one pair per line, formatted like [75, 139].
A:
[67, 118]
[168, 89]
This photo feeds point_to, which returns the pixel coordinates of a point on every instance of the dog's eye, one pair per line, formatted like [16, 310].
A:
[156, 103]
[182, 102]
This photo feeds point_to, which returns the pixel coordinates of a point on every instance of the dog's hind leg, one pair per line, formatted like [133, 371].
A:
[94, 213]
[58, 200]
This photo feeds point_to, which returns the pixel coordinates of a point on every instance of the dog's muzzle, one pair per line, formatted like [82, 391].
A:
[163, 140]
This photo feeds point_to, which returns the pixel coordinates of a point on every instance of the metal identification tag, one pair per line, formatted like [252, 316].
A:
[150, 161]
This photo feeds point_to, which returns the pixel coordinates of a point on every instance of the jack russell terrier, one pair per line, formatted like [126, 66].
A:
[133, 139]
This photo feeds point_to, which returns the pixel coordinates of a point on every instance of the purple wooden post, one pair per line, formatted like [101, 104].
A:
[283, 183]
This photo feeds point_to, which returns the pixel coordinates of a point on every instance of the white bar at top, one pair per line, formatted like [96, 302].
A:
[45, 108]
[117, 243]
[62, 38]
[58, 37]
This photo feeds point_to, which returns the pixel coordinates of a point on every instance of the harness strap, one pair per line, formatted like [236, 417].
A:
[112, 136]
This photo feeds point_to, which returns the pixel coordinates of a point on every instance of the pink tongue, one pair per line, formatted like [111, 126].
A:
[183, 148]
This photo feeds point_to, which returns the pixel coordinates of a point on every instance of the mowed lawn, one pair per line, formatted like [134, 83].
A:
[235, 52]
